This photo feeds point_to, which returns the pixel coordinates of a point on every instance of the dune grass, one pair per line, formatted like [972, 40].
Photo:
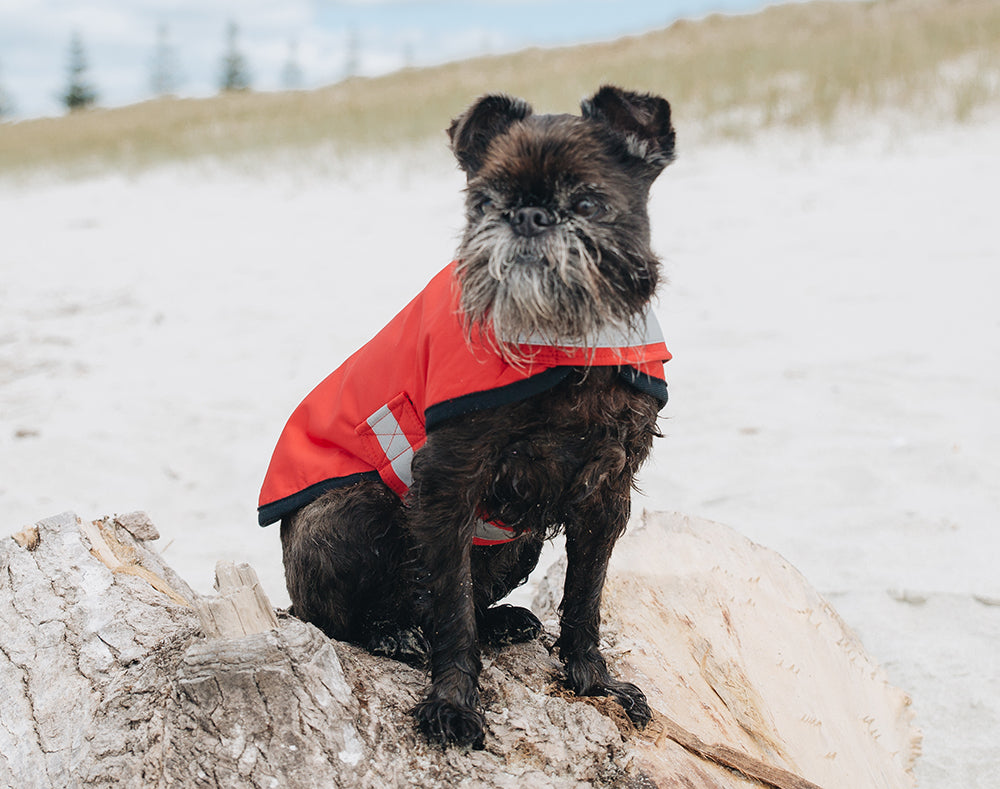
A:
[817, 63]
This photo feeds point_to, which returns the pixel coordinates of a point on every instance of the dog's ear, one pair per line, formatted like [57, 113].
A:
[640, 120]
[472, 132]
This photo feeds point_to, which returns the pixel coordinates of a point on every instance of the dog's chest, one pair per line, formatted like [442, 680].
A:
[556, 450]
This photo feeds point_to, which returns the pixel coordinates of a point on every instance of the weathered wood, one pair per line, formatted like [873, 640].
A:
[120, 557]
[734, 645]
[27, 538]
[769, 775]
[116, 674]
[241, 609]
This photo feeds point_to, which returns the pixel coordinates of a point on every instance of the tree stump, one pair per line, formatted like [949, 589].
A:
[114, 673]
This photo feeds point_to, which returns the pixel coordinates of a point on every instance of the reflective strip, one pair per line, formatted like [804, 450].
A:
[649, 333]
[394, 442]
[654, 332]
[492, 533]
[389, 432]
[403, 467]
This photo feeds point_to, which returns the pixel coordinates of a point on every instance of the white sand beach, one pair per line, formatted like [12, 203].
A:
[835, 391]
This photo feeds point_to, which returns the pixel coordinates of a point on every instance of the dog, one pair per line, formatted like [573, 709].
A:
[515, 397]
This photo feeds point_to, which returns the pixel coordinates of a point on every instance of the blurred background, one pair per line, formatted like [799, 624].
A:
[135, 51]
[372, 73]
[206, 206]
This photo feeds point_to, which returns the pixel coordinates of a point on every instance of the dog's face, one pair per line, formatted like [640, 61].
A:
[557, 242]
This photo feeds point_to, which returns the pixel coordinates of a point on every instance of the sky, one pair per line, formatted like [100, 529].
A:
[326, 40]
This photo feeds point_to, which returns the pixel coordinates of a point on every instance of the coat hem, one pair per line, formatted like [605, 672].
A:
[276, 510]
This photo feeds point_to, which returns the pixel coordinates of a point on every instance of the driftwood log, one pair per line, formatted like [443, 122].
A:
[114, 673]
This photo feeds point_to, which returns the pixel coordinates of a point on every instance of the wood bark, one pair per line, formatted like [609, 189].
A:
[114, 673]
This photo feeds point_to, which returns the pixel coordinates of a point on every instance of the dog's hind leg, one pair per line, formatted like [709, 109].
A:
[344, 558]
[496, 571]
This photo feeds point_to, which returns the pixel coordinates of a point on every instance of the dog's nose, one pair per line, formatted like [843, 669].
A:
[531, 220]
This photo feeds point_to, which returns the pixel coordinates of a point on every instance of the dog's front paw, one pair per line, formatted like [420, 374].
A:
[633, 701]
[446, 723]
[588, 676]
[508, 624]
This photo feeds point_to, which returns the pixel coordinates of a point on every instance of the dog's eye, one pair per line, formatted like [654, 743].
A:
[484, 204]
[587, 207]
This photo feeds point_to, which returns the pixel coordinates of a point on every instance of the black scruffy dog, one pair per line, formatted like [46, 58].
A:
[404, 543]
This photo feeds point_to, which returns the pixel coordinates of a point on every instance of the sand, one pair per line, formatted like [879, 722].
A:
[835, 392]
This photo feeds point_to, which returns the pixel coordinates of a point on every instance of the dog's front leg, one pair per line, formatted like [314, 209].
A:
[589, 541]
[442, 530]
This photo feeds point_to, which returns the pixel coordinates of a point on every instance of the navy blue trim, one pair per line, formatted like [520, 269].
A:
[277, 510]
[644, 382]
[436, 414]
[494, 398]
[536, 384]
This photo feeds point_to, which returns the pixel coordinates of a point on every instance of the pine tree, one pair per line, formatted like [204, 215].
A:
[291, 74]
[79, 94]
[352, 59]
[6, 106]
[163, 72]
[234, 67]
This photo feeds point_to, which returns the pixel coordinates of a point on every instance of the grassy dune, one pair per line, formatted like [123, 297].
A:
[809, 64]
